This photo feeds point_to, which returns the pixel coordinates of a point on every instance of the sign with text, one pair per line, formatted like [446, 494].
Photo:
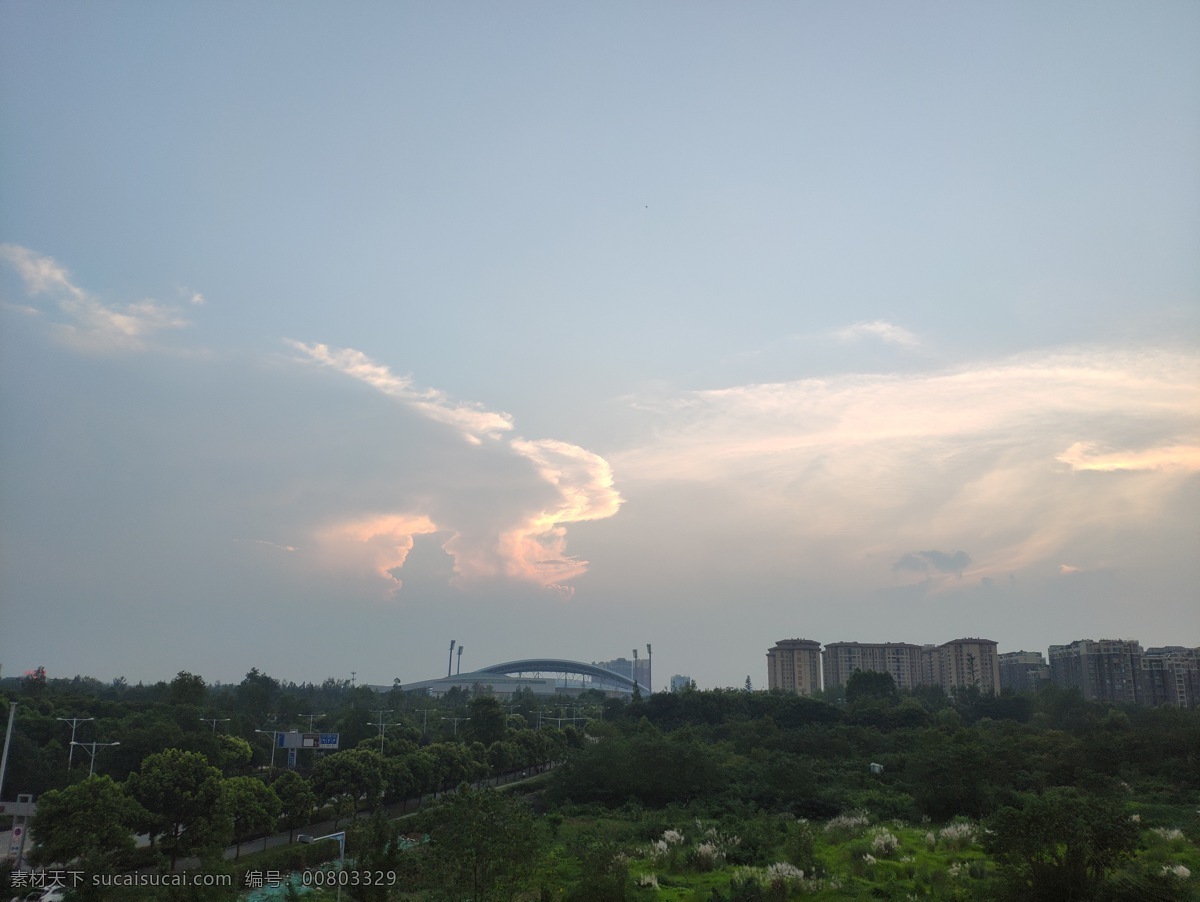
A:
[308, 740]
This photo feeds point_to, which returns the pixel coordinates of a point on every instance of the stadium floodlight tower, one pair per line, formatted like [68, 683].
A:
[450, 660]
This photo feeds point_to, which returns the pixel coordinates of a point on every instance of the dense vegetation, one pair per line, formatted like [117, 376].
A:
[729, 794]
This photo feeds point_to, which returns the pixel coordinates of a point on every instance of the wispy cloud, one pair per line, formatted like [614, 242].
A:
[472, 420]
[861, 468]
[1084, 456]
[84, 322]
[881, 330]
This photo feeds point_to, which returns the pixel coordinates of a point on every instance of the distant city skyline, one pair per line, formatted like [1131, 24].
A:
[328, 335]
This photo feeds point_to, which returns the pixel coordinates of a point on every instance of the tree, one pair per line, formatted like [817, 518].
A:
[378, 845]
[297, 800]
[255, 808]
[484, 844]
[487, 724]
[348, 776]
[234, 754]
[870, 684]
[1059, 845]
[182, 796]
[188, 689]
[90, 822]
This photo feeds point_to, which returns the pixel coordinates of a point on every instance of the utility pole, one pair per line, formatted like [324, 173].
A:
[74, 722]
[12, 713]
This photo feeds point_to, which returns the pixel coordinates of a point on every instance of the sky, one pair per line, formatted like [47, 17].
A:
[332, 332]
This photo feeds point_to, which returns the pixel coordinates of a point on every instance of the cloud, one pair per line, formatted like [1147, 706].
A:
[521, 538]
[847, 472]
[85, 322]
[472, 420]
[921, 561]
[879, 329]
[1086, 456]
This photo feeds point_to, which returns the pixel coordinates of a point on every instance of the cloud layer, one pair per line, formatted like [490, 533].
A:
[1025, 461]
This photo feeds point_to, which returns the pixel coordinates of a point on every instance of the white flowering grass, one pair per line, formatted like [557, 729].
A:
[848, 825]
[1176, 870]
[1169, 834]
[883, 841]
[958, 835]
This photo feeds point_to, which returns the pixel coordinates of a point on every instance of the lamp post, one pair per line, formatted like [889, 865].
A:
[74, 722]
[274, 734]
[311, 718]
[340, 836]
[214, 721]
[650, 668]
[91, 747]
[383, 726]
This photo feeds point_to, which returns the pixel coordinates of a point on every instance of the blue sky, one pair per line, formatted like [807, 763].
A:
[329, 333]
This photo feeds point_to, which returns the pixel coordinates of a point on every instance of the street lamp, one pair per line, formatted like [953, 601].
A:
[214, 721]
[340, 836]
[74, 722]
[274, 734]
[91, 747]
[311, 718]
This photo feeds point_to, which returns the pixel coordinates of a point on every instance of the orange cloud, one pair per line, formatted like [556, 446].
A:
[380, 543]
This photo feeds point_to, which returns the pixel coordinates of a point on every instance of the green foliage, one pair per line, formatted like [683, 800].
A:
[296, 800]
[182, 796]
[484, 844]
[90, 821]
[254, 806]
[348, 777]
[870, 684]
[188, 689]
[1060, 844]
[488, 720]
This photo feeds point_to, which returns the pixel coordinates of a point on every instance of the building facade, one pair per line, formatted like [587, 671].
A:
[1108, 670]
[1171, 676]
[963, 663]
[1023, 671]
[901, 659]
[794, 665]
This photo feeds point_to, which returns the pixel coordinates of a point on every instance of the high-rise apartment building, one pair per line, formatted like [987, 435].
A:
[901, 659]
[1171, 676]
[794, 665]
[963, 663]
[1023, 671]
[637, 670]
[1108, 670]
